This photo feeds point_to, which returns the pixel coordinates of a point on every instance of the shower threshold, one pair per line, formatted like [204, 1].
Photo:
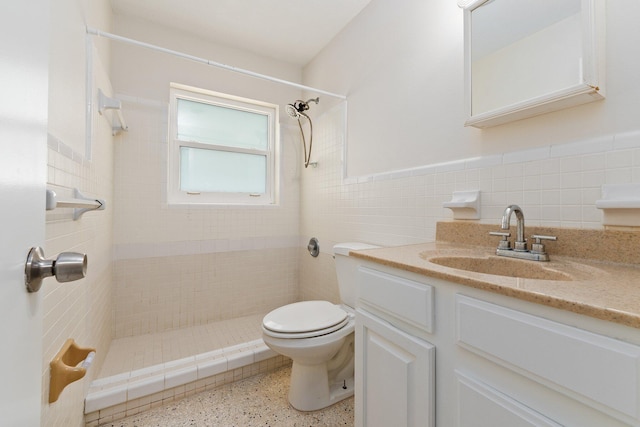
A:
[119, 392]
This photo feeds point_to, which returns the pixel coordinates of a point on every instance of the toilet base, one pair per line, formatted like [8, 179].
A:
[310, 388]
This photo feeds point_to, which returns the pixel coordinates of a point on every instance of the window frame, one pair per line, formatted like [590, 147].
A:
[176, 196]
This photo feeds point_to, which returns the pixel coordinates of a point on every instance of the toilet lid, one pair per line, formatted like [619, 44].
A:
[306, 316]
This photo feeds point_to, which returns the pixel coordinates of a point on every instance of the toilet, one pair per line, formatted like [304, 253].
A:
[318, 337]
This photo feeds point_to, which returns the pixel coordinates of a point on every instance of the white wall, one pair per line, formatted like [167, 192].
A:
[179, 266]
[402, 68]
[80, 310]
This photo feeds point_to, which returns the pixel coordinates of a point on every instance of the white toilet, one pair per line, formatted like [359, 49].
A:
[318, 337]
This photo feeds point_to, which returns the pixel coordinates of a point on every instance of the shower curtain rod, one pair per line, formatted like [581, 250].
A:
[111, 36]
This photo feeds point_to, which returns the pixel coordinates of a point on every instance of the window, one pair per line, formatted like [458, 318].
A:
[222, 149]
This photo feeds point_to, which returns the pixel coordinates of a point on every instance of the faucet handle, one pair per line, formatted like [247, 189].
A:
[537, 247]
[504, 243]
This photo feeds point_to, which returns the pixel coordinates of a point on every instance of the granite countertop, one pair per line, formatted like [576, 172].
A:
[601, 289]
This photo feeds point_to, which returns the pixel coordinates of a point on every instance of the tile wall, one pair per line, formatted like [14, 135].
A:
[82, 309]
[556, 185]
[179, 266]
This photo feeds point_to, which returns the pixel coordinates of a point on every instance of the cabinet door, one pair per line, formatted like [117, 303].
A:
[394, 376]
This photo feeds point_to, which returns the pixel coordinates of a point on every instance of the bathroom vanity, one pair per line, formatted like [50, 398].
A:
[443, 346]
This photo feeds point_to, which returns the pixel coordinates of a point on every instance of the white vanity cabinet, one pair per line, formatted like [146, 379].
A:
[395, 369]
[501, 361]
[542, 370]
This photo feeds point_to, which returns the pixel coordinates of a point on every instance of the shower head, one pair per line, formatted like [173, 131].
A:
[292, 111]
[297, 109]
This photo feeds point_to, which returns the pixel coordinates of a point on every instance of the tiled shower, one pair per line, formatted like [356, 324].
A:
[180, 266]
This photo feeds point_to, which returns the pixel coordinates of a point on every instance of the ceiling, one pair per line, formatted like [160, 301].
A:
[288, 30]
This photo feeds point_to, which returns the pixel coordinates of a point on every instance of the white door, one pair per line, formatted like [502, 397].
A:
[23, 149]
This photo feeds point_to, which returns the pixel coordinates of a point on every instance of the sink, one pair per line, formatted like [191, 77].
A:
[501, 267]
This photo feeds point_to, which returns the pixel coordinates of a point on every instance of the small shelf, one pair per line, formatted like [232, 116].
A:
[620, 204]
[464, 204]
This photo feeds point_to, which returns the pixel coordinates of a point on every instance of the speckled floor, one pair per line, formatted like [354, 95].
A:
[257, 401]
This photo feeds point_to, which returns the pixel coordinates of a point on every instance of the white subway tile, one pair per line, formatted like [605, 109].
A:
[483, 162]
[103, 399]
[529, 155]
[627, 140]
[180, 377]
[145, 387]
[240, 359]
[208, 368]
[595, 145]
[618, 176]
[571, 180]
[619, 159]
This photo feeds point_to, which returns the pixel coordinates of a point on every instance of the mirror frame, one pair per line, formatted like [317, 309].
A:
[590, 89]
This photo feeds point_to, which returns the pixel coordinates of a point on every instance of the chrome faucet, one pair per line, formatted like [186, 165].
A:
[519, 250]
[521, 243]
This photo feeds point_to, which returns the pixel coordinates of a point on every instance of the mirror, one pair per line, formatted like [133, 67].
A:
[529, 57]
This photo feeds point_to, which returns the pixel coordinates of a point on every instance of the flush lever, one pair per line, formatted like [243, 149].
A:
[67, 267]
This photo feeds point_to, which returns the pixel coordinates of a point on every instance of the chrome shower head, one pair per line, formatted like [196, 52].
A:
[292, 111]
[296, 109]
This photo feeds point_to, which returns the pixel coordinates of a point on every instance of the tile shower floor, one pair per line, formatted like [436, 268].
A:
[142, 351]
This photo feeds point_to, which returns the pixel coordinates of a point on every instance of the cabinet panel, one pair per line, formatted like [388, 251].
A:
[598, 368]
[394, 376]
[480, 405]
[407, 300]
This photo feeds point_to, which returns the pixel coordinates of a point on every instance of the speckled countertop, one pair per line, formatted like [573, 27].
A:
[593, 287]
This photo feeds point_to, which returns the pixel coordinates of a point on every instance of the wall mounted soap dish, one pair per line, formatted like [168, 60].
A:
[620, 204]
[464, 204]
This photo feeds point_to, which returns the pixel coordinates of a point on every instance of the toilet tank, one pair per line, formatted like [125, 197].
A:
[347, 269]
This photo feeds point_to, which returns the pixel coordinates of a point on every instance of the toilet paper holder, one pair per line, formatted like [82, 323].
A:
[67, 267]
[66, 368]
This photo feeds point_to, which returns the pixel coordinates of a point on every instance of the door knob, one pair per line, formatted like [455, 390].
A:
[67, 267]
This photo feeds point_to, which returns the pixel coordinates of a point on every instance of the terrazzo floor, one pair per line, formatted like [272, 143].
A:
[257, 401]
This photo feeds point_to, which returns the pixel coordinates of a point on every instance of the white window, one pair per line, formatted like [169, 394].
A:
[222, 149]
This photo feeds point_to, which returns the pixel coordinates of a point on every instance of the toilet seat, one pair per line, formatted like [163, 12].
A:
[305, 319]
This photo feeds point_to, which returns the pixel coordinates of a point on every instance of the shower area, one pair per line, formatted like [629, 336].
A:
[192, 283]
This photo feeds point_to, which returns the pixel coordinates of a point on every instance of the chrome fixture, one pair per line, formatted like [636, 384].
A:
[313, 247]
[297, 111]
[519, 250]
[80, 203]
[521, 243]
[67, 267]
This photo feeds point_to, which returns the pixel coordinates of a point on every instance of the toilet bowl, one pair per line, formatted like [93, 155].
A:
[318, 336]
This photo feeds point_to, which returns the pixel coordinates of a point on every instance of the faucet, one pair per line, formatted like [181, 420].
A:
[537, 252]
[520, 244]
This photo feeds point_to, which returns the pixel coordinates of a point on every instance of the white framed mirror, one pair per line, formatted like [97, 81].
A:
[529, 57]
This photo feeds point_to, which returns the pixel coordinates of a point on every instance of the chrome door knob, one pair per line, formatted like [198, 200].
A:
[67, 267]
